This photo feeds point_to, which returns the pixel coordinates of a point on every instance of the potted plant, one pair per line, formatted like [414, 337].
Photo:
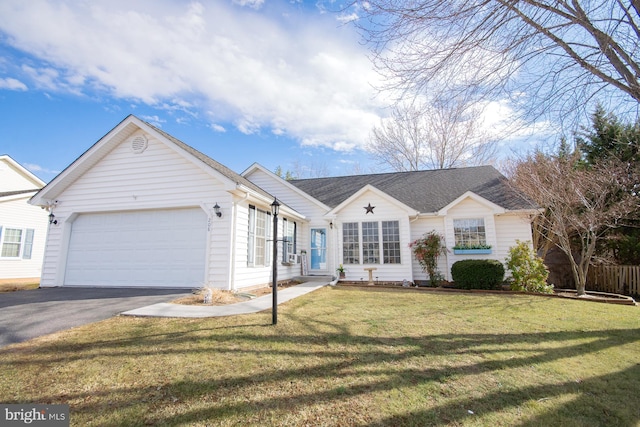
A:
[341, 271]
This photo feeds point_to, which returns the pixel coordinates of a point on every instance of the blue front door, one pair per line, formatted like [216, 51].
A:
[318, 249]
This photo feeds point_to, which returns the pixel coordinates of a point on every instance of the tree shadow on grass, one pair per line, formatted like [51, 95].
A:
[344, 354]
[585, 409]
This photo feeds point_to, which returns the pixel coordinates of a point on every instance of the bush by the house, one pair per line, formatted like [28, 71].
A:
[478, 273]
[528, 272]
[427, 249]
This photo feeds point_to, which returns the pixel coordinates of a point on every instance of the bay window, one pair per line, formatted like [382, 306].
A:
[375, 235]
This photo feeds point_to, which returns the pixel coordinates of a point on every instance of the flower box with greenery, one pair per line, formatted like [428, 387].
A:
[427, 250]
[472, 249]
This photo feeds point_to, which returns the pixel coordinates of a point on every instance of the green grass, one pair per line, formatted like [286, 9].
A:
[346, 357]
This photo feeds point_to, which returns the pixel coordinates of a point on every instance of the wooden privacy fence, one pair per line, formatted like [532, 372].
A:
[618, 279]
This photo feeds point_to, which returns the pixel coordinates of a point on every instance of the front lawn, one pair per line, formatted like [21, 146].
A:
[343, 357]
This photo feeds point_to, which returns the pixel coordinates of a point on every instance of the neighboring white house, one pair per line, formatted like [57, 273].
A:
[141, 208]
[23, 227]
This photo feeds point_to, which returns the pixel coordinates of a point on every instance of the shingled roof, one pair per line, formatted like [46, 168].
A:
[424, 191]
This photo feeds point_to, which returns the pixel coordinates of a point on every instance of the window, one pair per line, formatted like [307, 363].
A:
[370, 243]
[289, 230]
[385, 234]
[16, 242]
[259, 234]
[350, 243]
[391, 242]
[469, 232]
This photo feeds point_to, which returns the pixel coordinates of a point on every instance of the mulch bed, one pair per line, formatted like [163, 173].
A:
[559, 293]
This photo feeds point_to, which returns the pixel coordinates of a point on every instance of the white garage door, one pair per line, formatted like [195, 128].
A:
[163, 248]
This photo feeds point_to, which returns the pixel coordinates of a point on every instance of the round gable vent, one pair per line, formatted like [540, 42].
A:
[139, 144]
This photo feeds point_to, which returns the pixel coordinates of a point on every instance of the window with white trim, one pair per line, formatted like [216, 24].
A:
[350, 243]
[370, 243]
[16, 242]
[258, 254]
[375, 235]
[391, 242]
[289, 231]
[469, 232]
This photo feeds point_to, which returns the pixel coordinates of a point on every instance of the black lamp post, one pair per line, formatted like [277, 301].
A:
[275, 207]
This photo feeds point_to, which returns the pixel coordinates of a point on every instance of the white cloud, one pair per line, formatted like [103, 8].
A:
[217, 128]
[255, 4]
[154, 120]
[345, 18]
[34, 168]
[294, 74]
[12, 84]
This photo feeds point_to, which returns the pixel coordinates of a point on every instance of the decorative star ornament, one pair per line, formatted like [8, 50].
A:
[369, 209]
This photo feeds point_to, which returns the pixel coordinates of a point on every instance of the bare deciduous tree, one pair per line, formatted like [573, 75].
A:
[580, 203]
[443, 134]
[555, 57]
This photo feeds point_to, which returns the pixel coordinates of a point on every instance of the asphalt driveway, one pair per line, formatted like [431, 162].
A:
[32, 313]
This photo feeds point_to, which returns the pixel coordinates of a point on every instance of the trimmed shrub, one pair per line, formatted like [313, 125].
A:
[478, 273]
[528, 272]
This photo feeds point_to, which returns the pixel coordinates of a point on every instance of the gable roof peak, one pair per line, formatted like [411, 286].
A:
[127, 126]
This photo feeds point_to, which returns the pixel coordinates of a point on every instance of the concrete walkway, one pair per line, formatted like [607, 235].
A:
[264, 302]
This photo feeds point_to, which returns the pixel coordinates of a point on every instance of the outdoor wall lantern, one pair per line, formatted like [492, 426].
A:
[217, 210]
[275, 208]
[52, 219]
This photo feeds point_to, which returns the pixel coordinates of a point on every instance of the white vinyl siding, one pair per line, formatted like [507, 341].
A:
[33, 223]
[12, 178]
[350, 219]
[158, 178]
[418, 229]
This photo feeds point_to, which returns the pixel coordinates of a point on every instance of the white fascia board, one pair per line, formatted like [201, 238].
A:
[497, 210]
[17, 196]
[90, 157]
[259, 167]
[85, 161]
[533, 211]
[38, 183]
[410, 211]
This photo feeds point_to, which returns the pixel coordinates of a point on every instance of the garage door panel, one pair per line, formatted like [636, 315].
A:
[138, 248]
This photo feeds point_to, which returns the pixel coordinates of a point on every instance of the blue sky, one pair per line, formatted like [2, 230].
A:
[283, 83]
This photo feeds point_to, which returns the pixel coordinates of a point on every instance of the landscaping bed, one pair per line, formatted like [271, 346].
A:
[223, 297]
[450, 287]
